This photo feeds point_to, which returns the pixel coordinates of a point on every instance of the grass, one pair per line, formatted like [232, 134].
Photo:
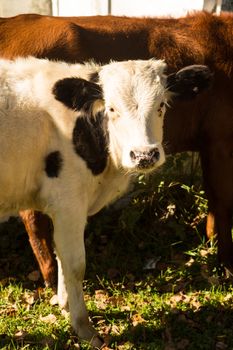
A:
[151, 280]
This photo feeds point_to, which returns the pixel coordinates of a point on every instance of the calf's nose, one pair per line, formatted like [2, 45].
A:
[145, 158]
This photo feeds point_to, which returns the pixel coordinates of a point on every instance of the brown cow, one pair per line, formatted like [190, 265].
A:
[204, 125]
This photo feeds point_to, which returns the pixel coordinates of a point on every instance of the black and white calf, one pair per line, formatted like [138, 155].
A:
[69, 146]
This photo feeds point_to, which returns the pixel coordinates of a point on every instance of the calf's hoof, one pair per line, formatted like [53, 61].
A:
[97, 342]
[91, 336]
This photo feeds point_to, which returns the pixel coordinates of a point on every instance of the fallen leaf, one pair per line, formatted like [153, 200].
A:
[65, 313]
[124, 346]
[190, 262]
[116, 301]
[9, 311]
[101, 299]
[195, 304]
[54, 300]
[48, 319]
[125, 308]
[105, 347]
[137, 319]
[28, 298]
[204, 252]
[175, 299]
[228, 297]
[20, 335]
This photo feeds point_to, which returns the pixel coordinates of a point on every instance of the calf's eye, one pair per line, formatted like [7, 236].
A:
[111, 109]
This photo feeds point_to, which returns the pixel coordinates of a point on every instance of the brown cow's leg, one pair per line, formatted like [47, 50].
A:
[210, 227]
[223, 223]
[218, 174]
[39, 229]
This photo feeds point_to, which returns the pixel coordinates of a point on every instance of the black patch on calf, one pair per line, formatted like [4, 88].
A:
[76, 93]
[90, 139]
[190, 81]
[53, 164]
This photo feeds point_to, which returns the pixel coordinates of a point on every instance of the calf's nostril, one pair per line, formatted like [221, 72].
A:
[154, 154]
[132, 155]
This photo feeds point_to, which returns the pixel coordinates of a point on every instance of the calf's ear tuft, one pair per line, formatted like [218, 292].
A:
[76, 93]
[190, 81]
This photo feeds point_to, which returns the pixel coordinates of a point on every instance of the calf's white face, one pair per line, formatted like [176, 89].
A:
[135, 97]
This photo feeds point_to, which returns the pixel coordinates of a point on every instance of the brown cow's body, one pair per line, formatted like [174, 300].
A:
[205, 125]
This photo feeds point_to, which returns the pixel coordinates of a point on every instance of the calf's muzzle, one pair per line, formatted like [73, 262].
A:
[145, 158]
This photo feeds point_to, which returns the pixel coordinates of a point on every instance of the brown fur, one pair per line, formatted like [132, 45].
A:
[204, 125]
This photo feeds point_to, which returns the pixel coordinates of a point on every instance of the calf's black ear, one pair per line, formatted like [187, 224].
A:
[76, 93]
[190, 81]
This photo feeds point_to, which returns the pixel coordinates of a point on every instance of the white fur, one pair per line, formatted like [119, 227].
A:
[33, 124]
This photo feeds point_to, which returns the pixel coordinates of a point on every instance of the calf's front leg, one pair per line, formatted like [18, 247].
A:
[69, 244]
[61, 287]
